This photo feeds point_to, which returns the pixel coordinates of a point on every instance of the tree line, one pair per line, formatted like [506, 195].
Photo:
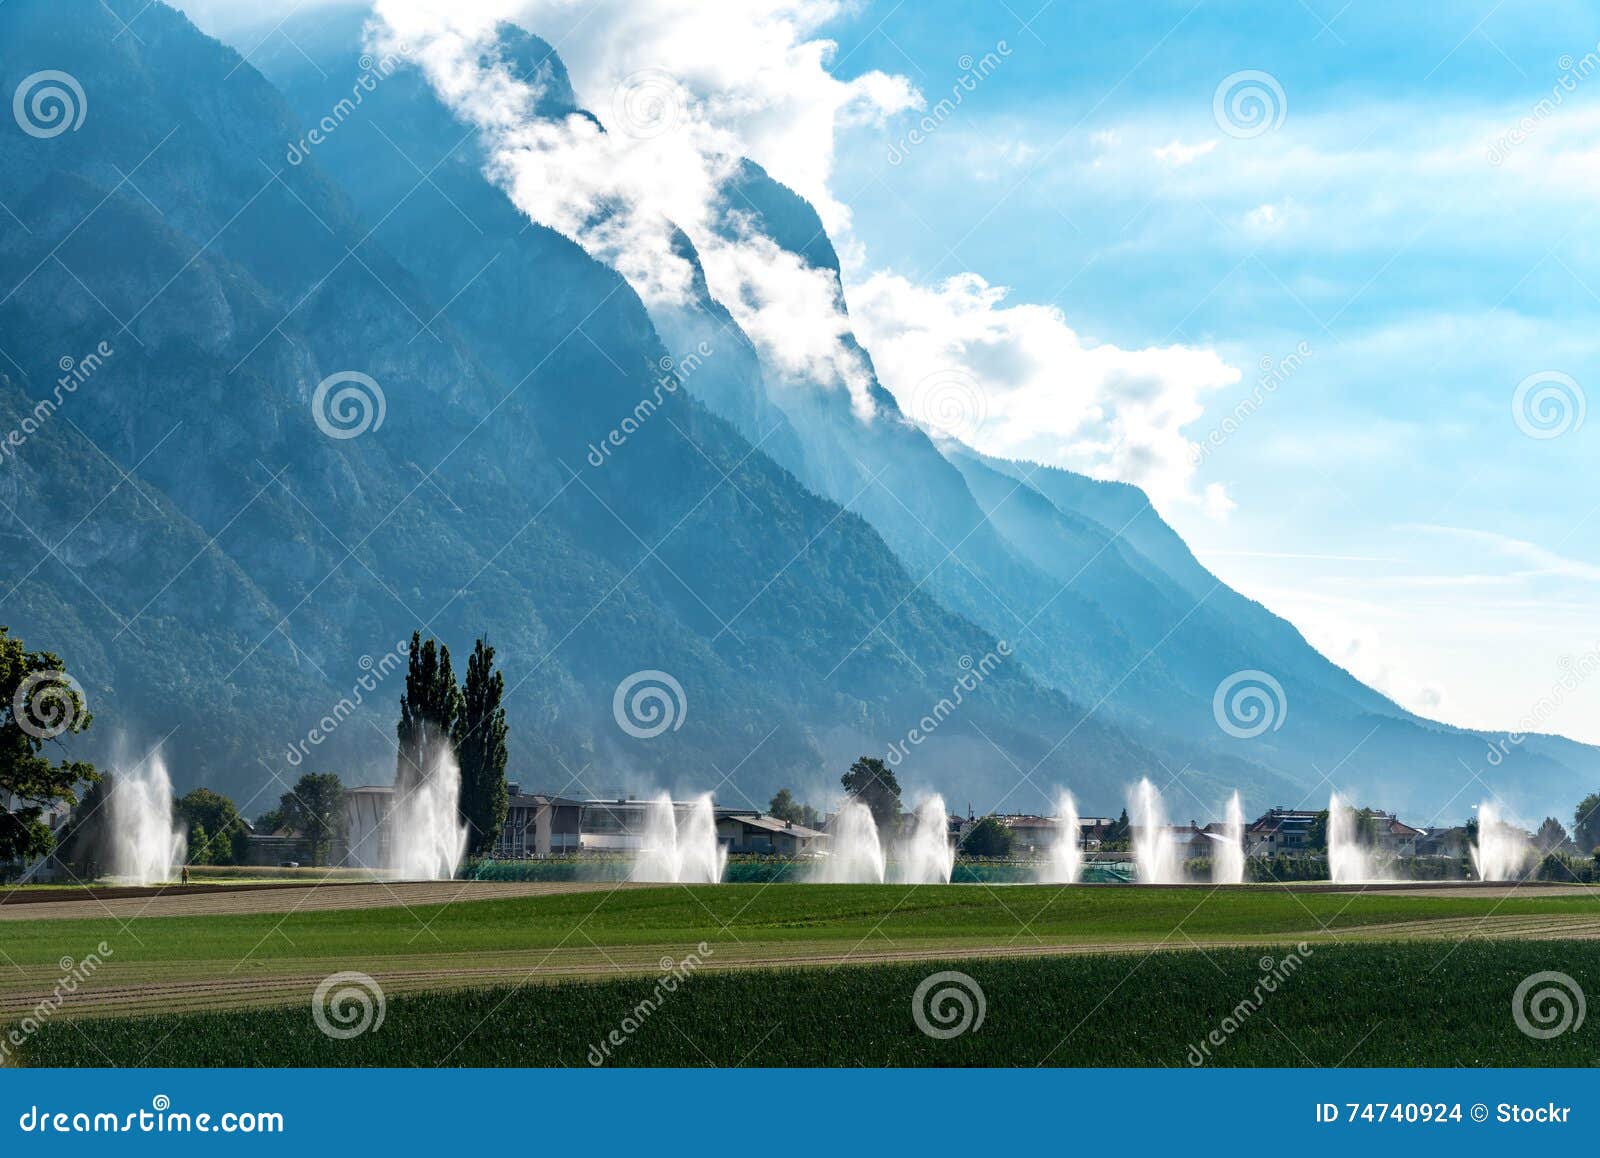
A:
[40, 705]
[438, 720]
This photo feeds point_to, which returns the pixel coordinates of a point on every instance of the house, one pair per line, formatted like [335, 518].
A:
[538, 824]
[1448, 841]
[364, 841]
[748, 831]
[1279, 832]
[1031, 835]
[1190, 840]
[1394, 836]
[285, 846]
[47, 869]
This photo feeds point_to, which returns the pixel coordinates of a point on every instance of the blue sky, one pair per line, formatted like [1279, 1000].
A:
[1384, 497]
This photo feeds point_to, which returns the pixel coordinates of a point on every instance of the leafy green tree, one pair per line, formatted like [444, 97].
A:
[1586, 823]
[873, 783]
[1317, 833]
[989, 837]
[1120, 831]
[213, 820]
[315, 809]
[785, 807]
[480, 742]
[35, 684]
[240, 843]
[428, 710]
[199, 845]
[269, 821]
[1366, 830]
[1551, 836]
[84, 845]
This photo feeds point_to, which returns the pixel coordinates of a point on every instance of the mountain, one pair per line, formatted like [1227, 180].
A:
[229, 283]
[562, 470]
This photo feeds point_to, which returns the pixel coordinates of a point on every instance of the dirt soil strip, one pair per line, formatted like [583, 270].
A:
[228, 899]
[111, 993]
[192, 986]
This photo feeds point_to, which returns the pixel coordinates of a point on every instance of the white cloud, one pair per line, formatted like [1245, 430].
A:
[745, 85]
[1176, 154]
[1045, 393]
[684, 89]
[1539, 562]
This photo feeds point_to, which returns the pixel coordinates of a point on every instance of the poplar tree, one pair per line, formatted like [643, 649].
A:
[480, 741]
[429, 708]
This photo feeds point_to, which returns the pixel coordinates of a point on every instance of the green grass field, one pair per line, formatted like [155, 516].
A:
[1354, 1005]
[679, 915]
[1111, 975]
